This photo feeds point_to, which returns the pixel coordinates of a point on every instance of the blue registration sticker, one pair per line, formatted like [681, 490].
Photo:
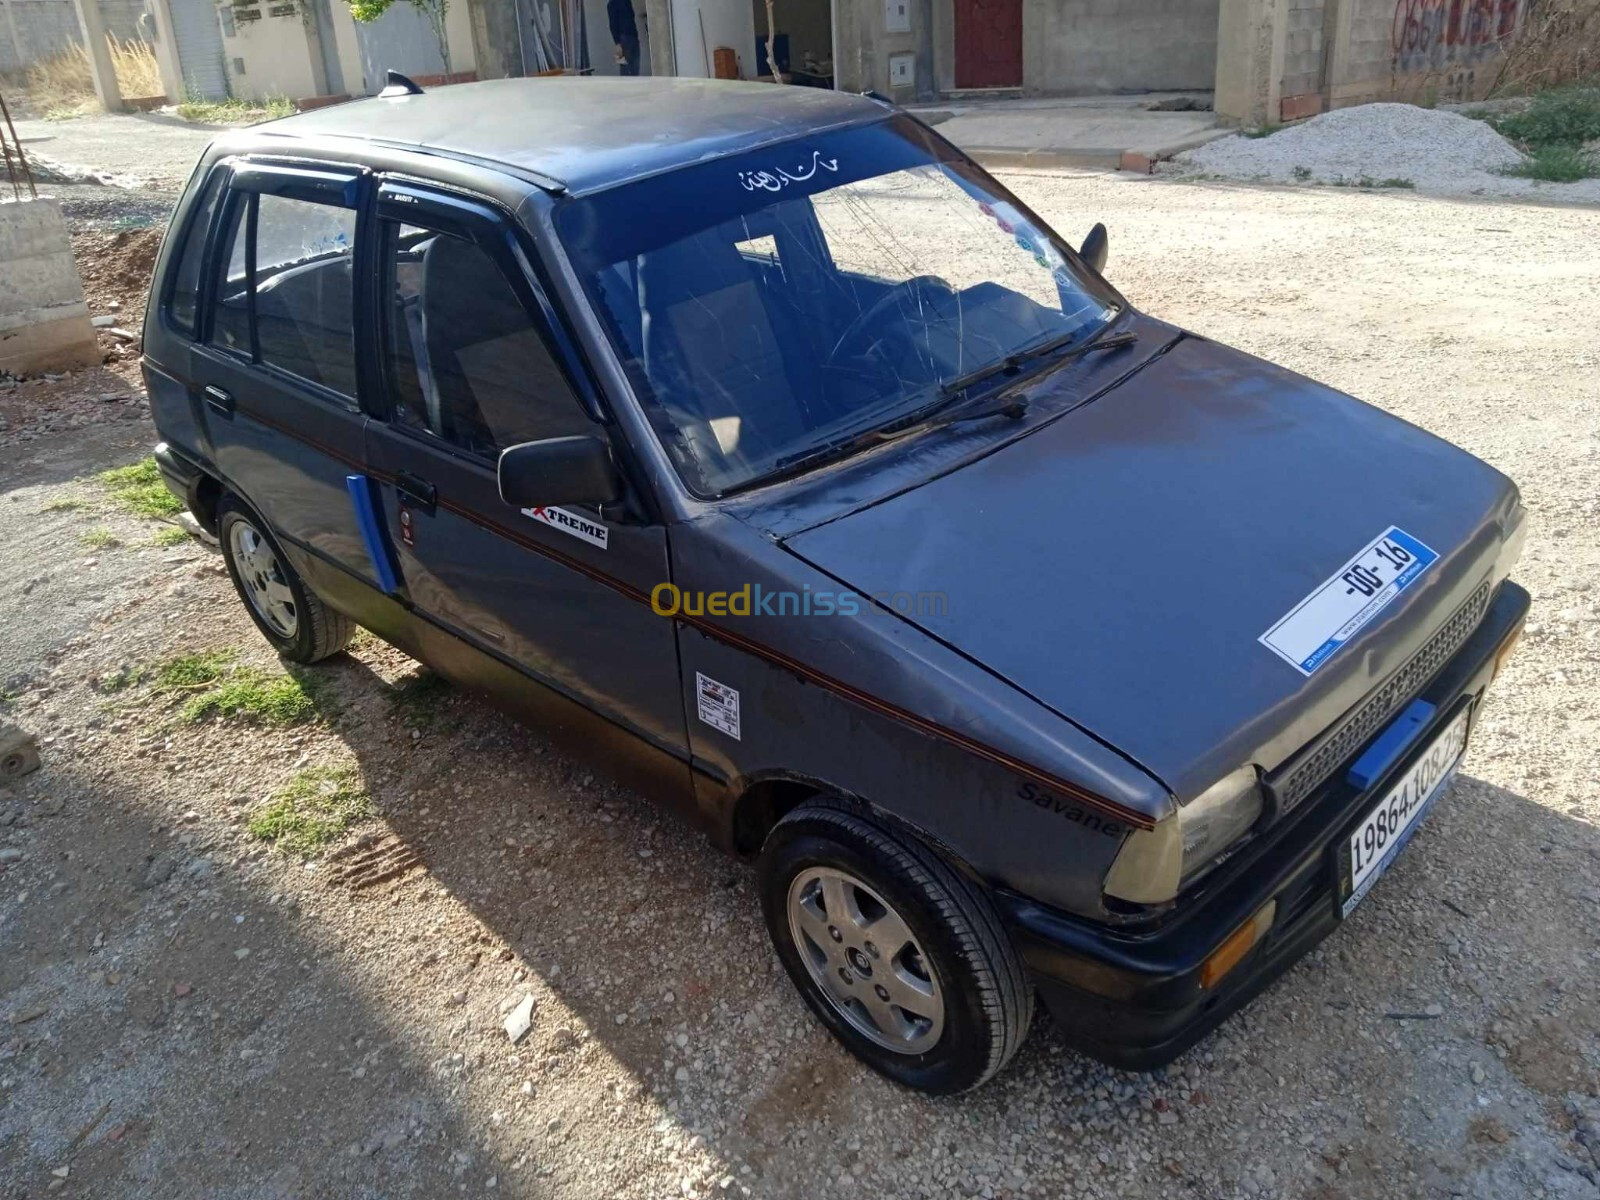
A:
[1312, 632]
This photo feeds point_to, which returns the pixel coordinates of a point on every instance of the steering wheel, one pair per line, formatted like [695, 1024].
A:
[909, 289]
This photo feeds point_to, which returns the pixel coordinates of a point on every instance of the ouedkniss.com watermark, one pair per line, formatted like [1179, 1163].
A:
[753, 600]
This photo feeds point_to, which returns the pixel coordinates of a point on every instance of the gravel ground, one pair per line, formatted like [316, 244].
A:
[1439, 152]
[188, 1013]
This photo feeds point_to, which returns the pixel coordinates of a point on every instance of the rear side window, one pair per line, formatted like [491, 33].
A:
[467, 364]
[185, 297]
[286, 297]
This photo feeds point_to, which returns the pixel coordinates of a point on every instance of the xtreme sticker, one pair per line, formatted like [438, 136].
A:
[578, 525]
[717, 704]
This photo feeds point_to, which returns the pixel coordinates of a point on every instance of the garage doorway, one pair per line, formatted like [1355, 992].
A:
[988, 43]
[805, 41]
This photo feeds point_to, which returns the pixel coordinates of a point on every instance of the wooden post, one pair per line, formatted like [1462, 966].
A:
[94, 41]
[772, 45]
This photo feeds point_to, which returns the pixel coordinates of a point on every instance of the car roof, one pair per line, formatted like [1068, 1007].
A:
[581, 134]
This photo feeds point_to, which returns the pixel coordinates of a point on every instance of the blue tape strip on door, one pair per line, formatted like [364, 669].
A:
[371, 532]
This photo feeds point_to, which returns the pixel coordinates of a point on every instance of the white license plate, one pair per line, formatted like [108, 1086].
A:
[1347, 601]
[1388, 825]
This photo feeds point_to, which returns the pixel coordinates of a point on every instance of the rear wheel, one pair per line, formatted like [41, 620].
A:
[290, 616]
[899, 955]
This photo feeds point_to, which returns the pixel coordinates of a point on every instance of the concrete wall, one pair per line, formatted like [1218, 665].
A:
[31, 30]
[281, 57]
[44, 322]
[1421, 49]
[1302, 50]
[866, 46]
[1068, 46]
[1071, 46]
[275, 54]
[1284, 59]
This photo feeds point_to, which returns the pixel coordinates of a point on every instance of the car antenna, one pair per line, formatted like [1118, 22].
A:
[396, 84]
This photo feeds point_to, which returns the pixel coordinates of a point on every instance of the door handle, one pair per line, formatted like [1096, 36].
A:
[220, 399]
[419, 492]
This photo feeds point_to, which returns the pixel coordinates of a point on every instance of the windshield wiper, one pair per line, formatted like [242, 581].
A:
[927, 418]
[1007, 405]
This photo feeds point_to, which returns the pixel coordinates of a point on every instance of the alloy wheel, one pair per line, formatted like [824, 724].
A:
[863, 957]
[263, 579]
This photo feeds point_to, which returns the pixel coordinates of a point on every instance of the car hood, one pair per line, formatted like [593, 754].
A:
[1120, 563]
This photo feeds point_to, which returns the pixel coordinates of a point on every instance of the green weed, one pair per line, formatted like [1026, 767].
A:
[251, 694]
[311, 811]
[1555, 163]
[1563, 116]
[98, 539]
[139, 490]
[235, 112]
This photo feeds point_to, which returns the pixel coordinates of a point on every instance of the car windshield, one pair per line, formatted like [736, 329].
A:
[773, 305]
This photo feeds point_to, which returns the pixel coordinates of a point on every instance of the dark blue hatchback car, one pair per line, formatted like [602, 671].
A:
[759, 443]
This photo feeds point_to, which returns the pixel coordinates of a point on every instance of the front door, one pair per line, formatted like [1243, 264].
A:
[988, 43]
[548, 604]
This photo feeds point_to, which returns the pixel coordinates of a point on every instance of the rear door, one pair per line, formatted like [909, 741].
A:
[471, 363]
[276, 366]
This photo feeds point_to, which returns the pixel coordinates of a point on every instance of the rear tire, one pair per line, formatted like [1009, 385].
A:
[289, 614]
[864, 917]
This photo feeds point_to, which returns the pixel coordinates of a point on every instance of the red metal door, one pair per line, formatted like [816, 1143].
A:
[988, 43]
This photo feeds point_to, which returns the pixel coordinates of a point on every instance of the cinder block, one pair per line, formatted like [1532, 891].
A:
[1132, 160]
[44, 323]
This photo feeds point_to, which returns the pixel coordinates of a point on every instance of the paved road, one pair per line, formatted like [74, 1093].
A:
[143, 149]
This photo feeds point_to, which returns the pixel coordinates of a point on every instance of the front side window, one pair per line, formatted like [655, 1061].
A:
[286, 297]
[466, 363]
[783, 301]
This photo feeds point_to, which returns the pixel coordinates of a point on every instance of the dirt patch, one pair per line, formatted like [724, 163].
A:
[35, 408]
[1551, 1058]
[115, 267]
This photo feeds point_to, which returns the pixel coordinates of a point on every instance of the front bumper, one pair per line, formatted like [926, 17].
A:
[1133, 998]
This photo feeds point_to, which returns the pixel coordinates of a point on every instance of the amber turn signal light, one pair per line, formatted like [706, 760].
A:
[1227, 956]
[1507, 648]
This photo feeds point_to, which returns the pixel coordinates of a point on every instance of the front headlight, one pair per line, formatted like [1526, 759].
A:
[1154, 864]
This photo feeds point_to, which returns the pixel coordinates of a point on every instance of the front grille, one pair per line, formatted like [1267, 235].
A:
[1308, 774]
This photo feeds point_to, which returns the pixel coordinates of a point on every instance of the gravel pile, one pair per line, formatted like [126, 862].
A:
[1382, 144]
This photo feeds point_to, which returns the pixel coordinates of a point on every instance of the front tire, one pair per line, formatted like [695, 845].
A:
[901, 957]
[299, 625]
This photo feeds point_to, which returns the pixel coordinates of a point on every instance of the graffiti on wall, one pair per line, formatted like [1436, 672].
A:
[1434, 34]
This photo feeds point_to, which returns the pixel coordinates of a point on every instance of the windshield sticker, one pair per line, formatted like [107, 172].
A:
[1319, 625]
[778, 179]
[579, 526]
[717, 704]
[1029, 239]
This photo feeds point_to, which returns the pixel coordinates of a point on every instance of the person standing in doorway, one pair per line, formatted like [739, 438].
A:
[624, 35]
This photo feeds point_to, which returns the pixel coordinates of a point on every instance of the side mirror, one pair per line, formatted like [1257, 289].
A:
[563, 470]
[1095, 248]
